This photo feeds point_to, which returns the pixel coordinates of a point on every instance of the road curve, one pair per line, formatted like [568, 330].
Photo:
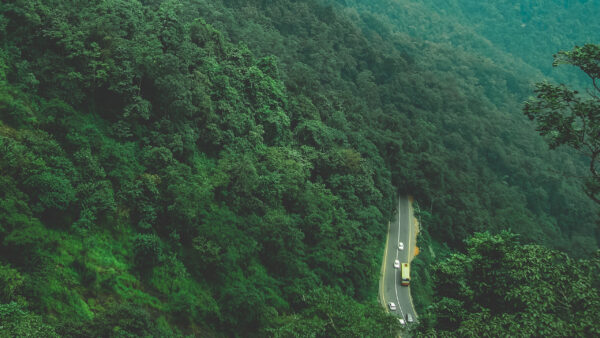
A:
[401, 229]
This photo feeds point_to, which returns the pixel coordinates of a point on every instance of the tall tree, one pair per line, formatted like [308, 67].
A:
[568, 117]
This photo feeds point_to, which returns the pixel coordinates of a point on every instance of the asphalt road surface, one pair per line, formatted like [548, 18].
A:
[401, 230]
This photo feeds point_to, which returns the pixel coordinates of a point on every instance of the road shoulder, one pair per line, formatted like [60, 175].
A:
[383, 270]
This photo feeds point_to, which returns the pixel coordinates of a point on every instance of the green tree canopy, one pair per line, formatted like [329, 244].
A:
[567, 117]
[500, 287]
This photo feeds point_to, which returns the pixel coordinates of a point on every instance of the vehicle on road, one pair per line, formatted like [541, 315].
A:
[400, 245]
[392, 306]
[409, 318]
[405, 274]
[402, 322]
[396, 264]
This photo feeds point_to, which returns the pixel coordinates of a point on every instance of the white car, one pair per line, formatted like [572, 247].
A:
[397, 264]
[400, 245]
[402, 322]
[409, 318]
[392, 306]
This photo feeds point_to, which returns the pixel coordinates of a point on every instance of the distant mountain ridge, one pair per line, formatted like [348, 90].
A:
[522, 35]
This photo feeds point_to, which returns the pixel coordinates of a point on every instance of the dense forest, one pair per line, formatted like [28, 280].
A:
[519, 35]
[228, 168]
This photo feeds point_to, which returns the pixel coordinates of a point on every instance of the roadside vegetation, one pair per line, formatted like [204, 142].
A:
[501, 287]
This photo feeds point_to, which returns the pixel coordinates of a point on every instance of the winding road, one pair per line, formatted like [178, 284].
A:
[401, 229]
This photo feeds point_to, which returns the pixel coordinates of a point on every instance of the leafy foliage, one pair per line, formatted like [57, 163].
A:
[17, 322]
[502, 287]
[567, 118]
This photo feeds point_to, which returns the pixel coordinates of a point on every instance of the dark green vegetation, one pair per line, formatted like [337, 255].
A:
[228, 168]
[500, 287]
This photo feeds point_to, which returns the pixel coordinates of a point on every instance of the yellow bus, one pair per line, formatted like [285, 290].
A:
[405, 274]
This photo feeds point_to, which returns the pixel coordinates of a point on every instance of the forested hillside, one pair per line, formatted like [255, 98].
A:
[521, 36]
[228, 168]
[452, 120]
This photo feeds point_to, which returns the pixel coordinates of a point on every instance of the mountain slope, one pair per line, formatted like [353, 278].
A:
[228, 168]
